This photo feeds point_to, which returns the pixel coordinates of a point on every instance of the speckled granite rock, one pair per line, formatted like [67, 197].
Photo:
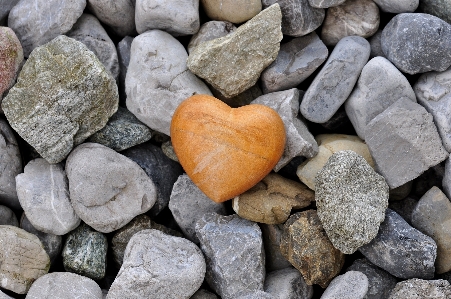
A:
[119, 15]
[287, 284]
[11, 55]
[351, 285]
[418, 289]
[210, 30]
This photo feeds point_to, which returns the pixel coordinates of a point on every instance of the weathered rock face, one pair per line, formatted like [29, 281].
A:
[62, 96]
[438, 8]
[210, 30]
[235, 11]
[351, 285]
[418, 288]
[11, 55]
[119, 15]
[287, 284]
[233, 63]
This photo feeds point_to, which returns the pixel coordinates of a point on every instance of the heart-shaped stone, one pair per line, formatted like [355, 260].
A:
[225, 151]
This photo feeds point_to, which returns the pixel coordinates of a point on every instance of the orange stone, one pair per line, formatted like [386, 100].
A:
[226, 151]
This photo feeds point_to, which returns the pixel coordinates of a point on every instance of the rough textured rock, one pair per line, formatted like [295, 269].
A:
[53, 107]
[158, 79]
[118, 15]
[351, 199]
[353, 17]
[38, 22]
[210, 30]
[107, 189]
[287, 284]
[203, 294]
[351, 285]
[85, 251]
[380, 85]
[325, 3]
[417, 43]
[235, 11]
[271, 234]
[418, 289]
[299, 140]
[123, 54]
[305, 244]
[298, 17]
[7, 217]
[375, 43]
[233, 63]
[271, 200]
[334, 83]
[410, 145]
[11, 55]
[5, 8]
[295, 62]
[177, 17]
[159, 266]
[64, 285]
[328, 145]
[233, 250]
[438, 8]
[22, 257]
[401, 250]
[397, 6]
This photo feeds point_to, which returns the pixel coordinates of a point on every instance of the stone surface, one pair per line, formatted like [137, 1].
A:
[37, 23]
[122, 131]
[404, 208]
[11, 55]
[123, 54]
[334, 83]
[203, 294]
[417, 43]
[271, 200]
[64, 285]
[254, 295]
[233, 63]
[43, 193]
[380, 85]
[118, 15]
[211, 30]
[397, 6]
[401, 192]
[168, 150]
[295, 62]
[325, 3]
[189, 204]
[305, 244]
[401, 250]
[410, 145]
[159, 266]
[107, 189]
[418, 289]
[299, 140]
[177, 17]
[234, 147]
[328, 145]
[352, 18]
[271, 234]
[5, 8]
[22, 257]
[158, 80]
[53, 107]
[351, 285]
[351, 199]
[375, 43]
[438, 8]
[242, 99]
[85, 251]
[90, 32]
[7, 216]
[233, 250]
[235, 11]
[287, 284]
[298, 17]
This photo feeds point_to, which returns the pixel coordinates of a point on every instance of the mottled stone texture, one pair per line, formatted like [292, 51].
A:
[119, 15]
[438, 8]
[11, 56]
[420, 289]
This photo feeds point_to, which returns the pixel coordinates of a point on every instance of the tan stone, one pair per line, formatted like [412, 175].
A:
[271, 200]
[235, 11]
[328, 145]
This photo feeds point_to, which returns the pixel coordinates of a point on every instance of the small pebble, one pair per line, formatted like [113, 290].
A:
[287, 284]
[351, 285]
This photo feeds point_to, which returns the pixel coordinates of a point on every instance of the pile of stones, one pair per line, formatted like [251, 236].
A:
[94, 203]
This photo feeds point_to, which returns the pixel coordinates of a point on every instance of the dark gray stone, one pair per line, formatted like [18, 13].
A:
[375, 44]
[119, 15]
[438, 8]
[5, 8]
[404, 208]
[123, 54]
[287, 283]
[203, 294]
[254, 295]
[351, 285]
[422, 289]
[7, 217]
[397, 6]
[271, 234]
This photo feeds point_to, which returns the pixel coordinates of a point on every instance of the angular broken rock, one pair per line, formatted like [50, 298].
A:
[410, 144]
[11, 55]
[210, 30]
[419, 288]
[233, 63]
[158, 80]
[55, 108]
[107, 189]
[287, 284]
[271, 234]
[300, 141]
[351, 285]
[119, 15]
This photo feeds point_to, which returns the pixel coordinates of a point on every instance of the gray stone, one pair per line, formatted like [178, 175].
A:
[23, 259]
[158, 80]
[299, 140]
[5, 8]
[189, 204]
[446, 182]
[351, 285]
[375, 44]
[235, 11]
[380, 283]
[397, 6]
[177, 17]
[203, 294]
[119, 15]
[417, 43]
[233, 63]
[159, 266]
[419, 289]
[168, 150]
[410, 144]
[7, 216]
[401, 250]
[53, 107]
[107, 189]
[64, 285]
[11, 54]
[352, 18]
[4, 296]
[233, 250]
[123, 53]
[334, 83]
[38, 22]
[430, 178]
[271, 234]
[122, 131]
[210, 30]
[287, 284]
[380, 85]
[295, 62]
[11, 165]
[351, 199]
[43, 192]
[401, 192]
[85, 251]
[404, 208]
[90, 32]
[298, 17]
[325, 3]
[254, 295]
[438, 8]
